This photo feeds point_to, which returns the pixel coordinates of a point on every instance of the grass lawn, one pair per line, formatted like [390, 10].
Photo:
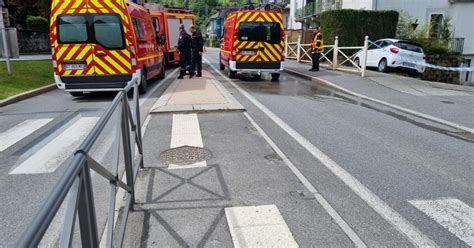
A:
[27, 75]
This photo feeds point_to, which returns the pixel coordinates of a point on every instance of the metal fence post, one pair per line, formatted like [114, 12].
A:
[335, 53]
[298, 51]
[286, 46]
[364, 52]
[127, 149]
[86, 211]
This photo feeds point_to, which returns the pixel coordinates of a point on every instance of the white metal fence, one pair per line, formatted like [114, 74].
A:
[302, 53]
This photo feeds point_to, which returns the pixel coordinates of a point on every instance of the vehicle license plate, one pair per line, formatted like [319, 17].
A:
[409, 64]
[247, 52]
[74, 66]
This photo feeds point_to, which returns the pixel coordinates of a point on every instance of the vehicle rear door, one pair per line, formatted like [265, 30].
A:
[411, 54]
[112, 34]
[272, 44]
[246, 44]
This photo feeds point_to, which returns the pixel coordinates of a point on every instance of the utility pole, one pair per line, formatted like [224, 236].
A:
[5, 41]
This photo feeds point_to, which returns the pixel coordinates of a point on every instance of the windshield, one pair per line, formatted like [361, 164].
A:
[260, 31]
[409, 46]
[104, 29]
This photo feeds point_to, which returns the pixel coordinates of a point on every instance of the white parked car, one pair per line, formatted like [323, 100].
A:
[386, 54]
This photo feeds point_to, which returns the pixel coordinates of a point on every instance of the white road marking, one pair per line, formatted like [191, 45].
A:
[452, 214]
[186, 132]
[258, 226]
[322, 201]
[378, 205]
[48, 157]
[20, 131]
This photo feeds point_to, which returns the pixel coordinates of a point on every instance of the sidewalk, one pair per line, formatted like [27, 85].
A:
[452, 102]
[210, 179]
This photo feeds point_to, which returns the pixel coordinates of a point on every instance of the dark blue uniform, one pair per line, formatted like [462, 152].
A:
[184, 48]
[197, 47]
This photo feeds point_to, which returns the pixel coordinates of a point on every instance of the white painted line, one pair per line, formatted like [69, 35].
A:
[322, 201]
[377, 204]
[452, 214]
[48, 158]
[186, 132]
[20, 131]
[258, 226]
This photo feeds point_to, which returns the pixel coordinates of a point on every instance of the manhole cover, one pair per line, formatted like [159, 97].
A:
[185, 155]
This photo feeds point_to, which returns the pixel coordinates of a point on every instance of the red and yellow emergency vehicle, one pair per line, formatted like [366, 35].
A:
[168, 21]
[253, 42]
[101, 45]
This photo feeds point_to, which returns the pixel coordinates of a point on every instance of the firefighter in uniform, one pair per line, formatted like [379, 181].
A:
[184, 48]
[317, 47]
[197, 47]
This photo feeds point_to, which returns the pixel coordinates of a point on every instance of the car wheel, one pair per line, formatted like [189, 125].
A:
[232, 74]
[275, 77]
[221, 66]
[163, 71]
[143, 84]
[257, 76]
[77, 93]
[383, 66]
[357, 61]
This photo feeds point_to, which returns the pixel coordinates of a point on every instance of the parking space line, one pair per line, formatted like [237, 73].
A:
[258, 226]
[452, 214]
[46, 158]
[20, 131]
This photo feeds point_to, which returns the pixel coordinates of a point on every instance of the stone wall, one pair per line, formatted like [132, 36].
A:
[33, 42]
[451, 77]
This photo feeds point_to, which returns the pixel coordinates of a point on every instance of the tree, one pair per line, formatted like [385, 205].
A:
[19, 10]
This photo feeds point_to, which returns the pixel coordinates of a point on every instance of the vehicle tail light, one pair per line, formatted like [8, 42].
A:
[134, 55]
[55, 63]
[234, 53]
[394, 50]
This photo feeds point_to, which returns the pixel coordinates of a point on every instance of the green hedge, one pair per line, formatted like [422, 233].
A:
[37, 23]
[353, 25]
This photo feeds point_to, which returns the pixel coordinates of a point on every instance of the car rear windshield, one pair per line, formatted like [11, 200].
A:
[104, 29]
[409, 46]
[260, 31]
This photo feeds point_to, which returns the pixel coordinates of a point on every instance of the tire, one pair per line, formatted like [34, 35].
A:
[257, 76]
[221, 66]
[163, 71]
[143, 84]
[357, 61]
[383, 66]
[77, 93]
[232, 74]
[275, 77]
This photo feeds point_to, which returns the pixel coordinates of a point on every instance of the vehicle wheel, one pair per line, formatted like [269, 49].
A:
[275, 77]
[383, 67]
[167, 64]
[257, 76]
[77, 93]
[232, 74]
[221, 66]
[357, 61]
[163, 71]
[143, 85]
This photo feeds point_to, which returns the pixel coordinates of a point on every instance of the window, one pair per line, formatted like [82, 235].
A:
[386, 43]
[260, 31]
[108, 30]
[72, 29]
[156, 24]
[137, 26]
[412, 47]
[375, 45]
[435, 25]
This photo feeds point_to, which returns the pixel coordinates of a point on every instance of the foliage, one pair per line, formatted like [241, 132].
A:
[19, 10]
[447, 31]
[37, 23]
[27, 75]
[353, 25]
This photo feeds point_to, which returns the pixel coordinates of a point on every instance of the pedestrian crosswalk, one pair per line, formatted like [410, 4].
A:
[20, 131]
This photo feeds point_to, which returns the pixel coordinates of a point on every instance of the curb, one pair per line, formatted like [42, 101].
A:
[27, 94]
[386, 104]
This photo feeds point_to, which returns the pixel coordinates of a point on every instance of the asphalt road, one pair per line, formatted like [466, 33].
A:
[408, 163]
[35, 154]
[394, 180]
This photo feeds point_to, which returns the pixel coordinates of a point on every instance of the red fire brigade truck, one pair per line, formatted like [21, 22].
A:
[253, 42]
[167, 21]
[100, 45]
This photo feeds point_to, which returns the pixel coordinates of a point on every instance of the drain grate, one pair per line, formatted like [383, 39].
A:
[185, 155]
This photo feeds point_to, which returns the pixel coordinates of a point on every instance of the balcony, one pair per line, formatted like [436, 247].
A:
[456, 45]
[316, 7]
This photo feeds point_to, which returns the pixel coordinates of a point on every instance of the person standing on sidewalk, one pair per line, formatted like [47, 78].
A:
[317, 47]
[184, 48]
[197, 47]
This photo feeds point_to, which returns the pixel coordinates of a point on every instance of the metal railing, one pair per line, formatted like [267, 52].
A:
[302, 53]
[76, 182]
[456, 45]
